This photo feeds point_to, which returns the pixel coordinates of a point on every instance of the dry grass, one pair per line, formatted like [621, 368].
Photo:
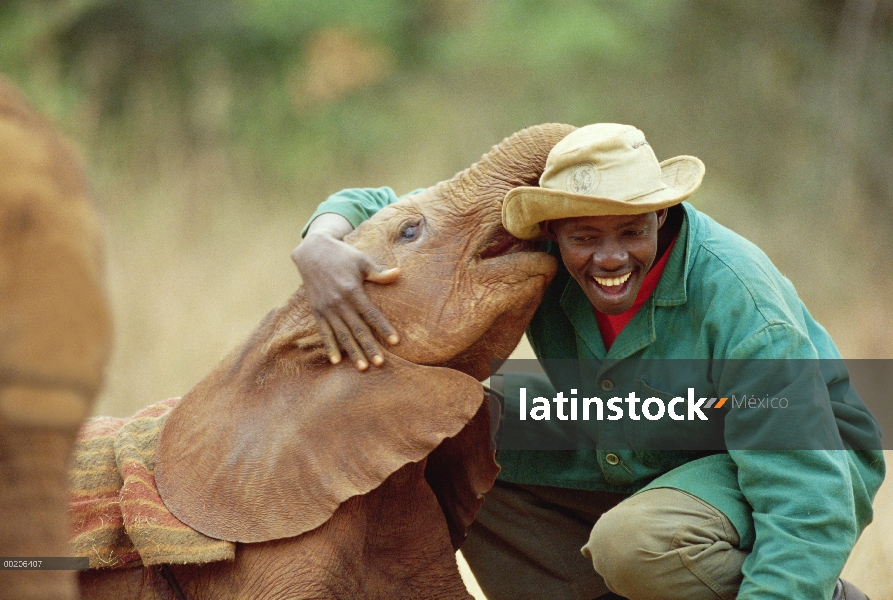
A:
[187, 285]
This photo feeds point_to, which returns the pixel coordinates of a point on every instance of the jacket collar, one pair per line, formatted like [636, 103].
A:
[673, 285]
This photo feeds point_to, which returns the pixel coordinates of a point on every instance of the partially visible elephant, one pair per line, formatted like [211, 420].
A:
[55, 334]
[344, 484]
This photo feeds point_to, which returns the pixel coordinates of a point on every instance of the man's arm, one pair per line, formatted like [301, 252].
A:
[804, 501]
[333, 273]
[355, 205]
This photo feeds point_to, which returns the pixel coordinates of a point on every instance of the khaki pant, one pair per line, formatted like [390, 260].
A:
[662, 543]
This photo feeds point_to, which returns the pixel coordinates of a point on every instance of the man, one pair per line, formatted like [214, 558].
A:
[646, 276]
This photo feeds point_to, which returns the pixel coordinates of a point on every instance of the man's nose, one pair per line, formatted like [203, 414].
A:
[610, 256]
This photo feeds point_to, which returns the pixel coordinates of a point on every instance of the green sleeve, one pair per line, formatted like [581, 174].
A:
[356, 204]
[803, 519]
[859, 430]
[807, 509]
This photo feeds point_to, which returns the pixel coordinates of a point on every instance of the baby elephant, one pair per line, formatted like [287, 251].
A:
[336, 483]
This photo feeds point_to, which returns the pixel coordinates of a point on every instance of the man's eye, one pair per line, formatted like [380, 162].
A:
[410, 231]
[634, 232]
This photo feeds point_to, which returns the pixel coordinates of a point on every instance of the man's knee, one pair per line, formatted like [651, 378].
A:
[664, 543]
[621, 540]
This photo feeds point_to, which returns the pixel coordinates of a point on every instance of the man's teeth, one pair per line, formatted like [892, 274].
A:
[612, 281]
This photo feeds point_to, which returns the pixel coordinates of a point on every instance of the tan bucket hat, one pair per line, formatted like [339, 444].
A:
[600, 169]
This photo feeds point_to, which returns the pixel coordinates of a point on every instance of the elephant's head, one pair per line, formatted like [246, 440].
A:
[275, 439]
[55, 325]
[468, 288]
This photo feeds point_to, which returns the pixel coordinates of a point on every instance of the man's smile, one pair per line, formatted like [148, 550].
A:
[613, 295]
[612, 281]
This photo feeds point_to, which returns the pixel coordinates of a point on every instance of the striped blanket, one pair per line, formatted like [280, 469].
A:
[118, 519]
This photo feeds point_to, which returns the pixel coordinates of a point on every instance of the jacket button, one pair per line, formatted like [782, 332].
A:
[612, 459]
[607, 385]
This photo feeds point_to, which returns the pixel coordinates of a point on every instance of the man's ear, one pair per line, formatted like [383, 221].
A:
[661, 217]
[547, 229]
[267, 447]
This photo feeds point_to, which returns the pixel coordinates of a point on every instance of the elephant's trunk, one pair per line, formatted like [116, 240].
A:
[517, 160]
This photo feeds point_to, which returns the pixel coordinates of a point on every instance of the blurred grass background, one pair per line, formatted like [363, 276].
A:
[212, 129]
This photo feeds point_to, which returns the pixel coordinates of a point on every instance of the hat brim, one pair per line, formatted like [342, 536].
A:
[525, 207]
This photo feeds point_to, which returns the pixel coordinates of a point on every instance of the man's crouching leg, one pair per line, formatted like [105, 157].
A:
[667, 544]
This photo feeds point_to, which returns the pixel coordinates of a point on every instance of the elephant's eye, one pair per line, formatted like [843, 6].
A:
[410, 230]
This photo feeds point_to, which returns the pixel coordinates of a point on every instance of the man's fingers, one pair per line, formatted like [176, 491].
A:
[364, 338]
[346, 341]
[328, 339]
[376, 319]
[333, 274]
[385, 276]
[368, 311]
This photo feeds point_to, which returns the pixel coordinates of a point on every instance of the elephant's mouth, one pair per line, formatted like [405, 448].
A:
[501, 242]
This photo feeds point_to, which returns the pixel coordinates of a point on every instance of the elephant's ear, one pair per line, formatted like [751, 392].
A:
[461, 470]
[255, 454]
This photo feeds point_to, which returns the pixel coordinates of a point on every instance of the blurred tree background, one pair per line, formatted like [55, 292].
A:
[213, 127]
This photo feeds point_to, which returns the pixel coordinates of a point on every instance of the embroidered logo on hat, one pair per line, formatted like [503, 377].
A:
[582, 179]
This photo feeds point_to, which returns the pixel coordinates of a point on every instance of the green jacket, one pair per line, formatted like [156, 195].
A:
[720, 297]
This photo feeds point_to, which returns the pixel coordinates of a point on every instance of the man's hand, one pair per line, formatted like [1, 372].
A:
[333, 273]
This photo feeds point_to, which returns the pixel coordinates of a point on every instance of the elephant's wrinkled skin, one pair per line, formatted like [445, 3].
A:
[345, 484]
[55, 334]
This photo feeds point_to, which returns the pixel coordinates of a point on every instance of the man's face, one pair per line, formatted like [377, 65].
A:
[609, 256]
